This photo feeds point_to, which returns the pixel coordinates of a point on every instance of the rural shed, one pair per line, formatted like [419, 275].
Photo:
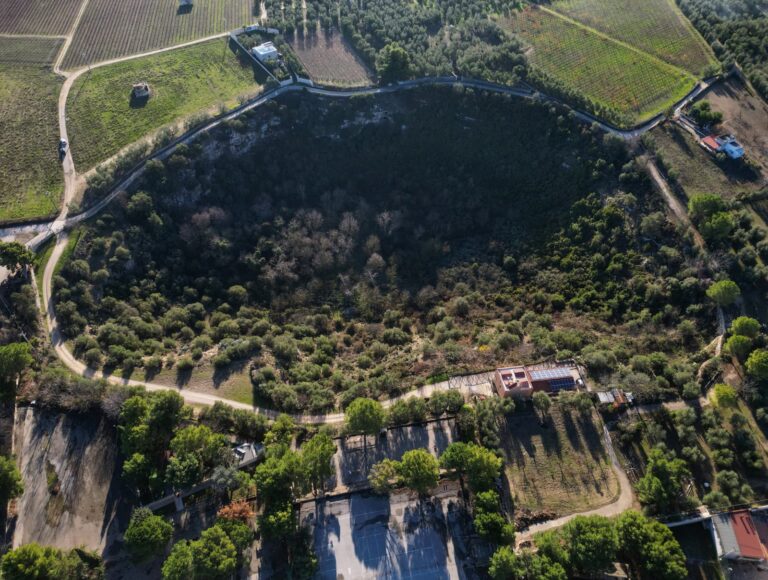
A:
[140, 91]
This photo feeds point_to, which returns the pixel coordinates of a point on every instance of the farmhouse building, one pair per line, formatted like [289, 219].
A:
[266, 52]
[522, 381]
[725, 144]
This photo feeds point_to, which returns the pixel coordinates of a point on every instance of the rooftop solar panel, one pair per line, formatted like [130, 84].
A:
[566, 383]
[549, 374]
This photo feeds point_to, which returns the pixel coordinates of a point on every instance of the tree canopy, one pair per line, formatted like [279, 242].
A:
[14, 255]
[365, 416]
[724, 292]
[147, 534]
[418, 470]
[11, 485]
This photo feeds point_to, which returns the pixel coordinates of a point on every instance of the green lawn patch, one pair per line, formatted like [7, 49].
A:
[31, 180]
[609, 73]
[103, 119]
[654, 26]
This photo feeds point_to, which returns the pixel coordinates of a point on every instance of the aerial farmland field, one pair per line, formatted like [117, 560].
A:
[110, 29]
[103, 118]
[30, 176]
[610, 73]
[29, 50]
[38, 16]
[655, 26]
[330, 60]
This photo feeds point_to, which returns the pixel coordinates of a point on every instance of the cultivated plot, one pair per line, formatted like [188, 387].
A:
[29, 50]
[562, 467]
[330, 60]
[655, 26]
[609, 73]
[103, 116]
[111, 29]
[54, 17]
[30, 175]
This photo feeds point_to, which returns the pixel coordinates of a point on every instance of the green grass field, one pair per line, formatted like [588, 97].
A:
[103, 120]
[610, 73]
[31, 180]
[654, 26]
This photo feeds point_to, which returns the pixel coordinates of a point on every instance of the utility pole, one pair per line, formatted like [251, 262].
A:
[226, 41]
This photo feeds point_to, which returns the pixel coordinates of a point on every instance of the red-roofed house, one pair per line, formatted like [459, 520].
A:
[738, 536]
[522, 381]
[711, 144]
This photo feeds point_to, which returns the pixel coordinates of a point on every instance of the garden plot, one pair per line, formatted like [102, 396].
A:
[330, 60]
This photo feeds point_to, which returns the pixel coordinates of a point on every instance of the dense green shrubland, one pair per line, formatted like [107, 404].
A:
[456, 234]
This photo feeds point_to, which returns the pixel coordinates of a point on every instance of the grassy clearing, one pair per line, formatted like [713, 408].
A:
[609, 73]
[30, 176]
[235, 384]
[29, 50]
[654, 26]
[562, 467]
[103, 119]
[110, 29]
[694, 169]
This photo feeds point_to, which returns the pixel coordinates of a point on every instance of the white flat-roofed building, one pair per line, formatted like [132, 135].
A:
[266, 52]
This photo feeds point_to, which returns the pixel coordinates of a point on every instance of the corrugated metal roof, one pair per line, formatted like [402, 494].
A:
[746, 535]
[726, 534]
[605, 397]
[711, 143]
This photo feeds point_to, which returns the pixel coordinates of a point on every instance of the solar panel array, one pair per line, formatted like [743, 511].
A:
[549, 374]
[559, 384]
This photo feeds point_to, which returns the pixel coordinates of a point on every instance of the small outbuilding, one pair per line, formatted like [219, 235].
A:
[266, 52]
[140, 91]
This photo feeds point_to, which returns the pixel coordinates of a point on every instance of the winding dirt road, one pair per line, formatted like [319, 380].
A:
[63, 222]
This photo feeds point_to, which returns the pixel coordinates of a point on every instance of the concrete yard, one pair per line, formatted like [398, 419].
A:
[365, 536]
